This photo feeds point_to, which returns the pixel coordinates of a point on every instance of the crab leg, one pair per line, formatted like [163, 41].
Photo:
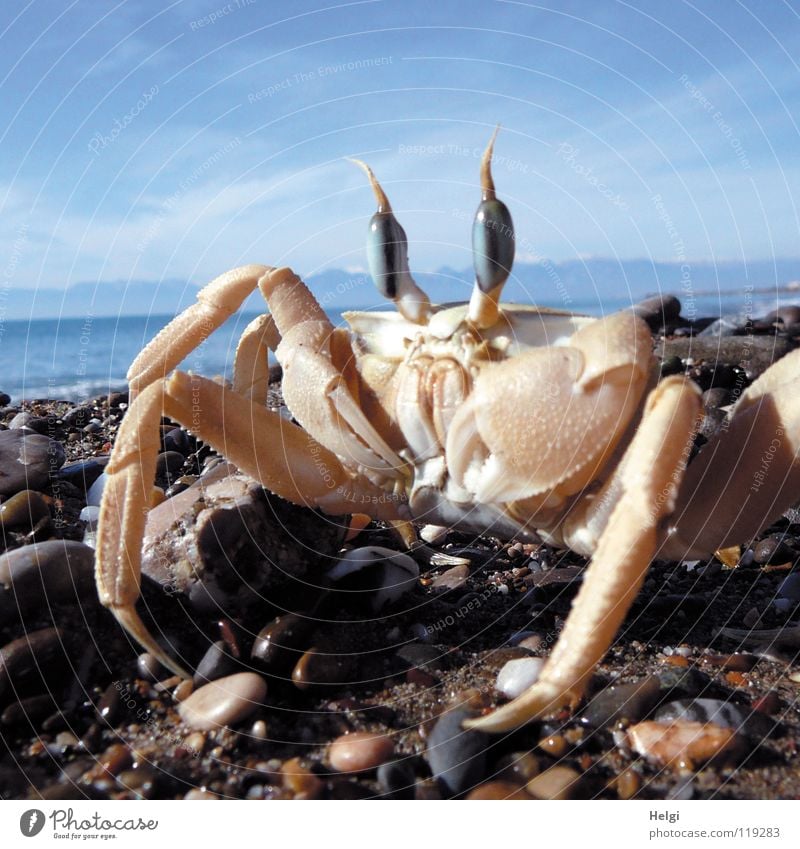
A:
[653, 466]
[251, 364]
[748, 473]
[277, 453]
[216, 303]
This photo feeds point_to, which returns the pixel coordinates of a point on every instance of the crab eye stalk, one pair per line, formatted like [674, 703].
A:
[492, 247]
[387, 254]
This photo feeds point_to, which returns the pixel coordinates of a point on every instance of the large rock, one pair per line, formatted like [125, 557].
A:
[27, 461]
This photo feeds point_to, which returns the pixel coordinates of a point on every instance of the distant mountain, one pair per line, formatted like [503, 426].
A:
[567, 284]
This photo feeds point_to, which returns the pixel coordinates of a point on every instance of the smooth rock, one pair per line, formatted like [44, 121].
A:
[46, 573]
[726, 714]
[27, 461]
[216, 663]
[21, 420]
[281, 643]
[24, 511]
[83, 473]
[622, 701]
[95, 494]
[517, 675]
[658, 311]
[397, 779]
[223, 702]
[786, 315]
[452, 579]
[790, 587]
[685, 745]
[375, 574]
[498, 790]
[457, 756]
[360, 751]
[36, 652]
[5, 399]
[168, 463]
[772, 550]
[558, 782]
[434, 534]
[319, 668]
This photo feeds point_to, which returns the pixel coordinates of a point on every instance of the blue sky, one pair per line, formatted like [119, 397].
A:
[143, 140]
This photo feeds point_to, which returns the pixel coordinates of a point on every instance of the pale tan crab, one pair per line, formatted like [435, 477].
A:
[500, 419]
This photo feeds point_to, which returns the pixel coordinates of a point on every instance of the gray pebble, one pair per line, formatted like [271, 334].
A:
[95, 494]
[397, 779]
[771, 550]
[457, 757]
[744, 720]
[658, 311]
[27, 460]
[790, 587]
[46, 573]
[83, 473]
[517, 675]
[622, 701]
[37, 651]
[215, 663]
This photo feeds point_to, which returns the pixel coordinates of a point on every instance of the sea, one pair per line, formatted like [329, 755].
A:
[75, 359]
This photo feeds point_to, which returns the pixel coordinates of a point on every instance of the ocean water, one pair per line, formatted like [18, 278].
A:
[76, 359]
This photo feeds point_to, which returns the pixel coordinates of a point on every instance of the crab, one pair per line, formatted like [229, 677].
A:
[511, 420]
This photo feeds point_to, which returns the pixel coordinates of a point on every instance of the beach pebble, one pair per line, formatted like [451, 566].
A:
[318, 668]
[396, 779]
[790, 587]
[223, 702]
[457, 756]
[83, 473]
[433, 534]
[27, 461]
[24, 512]
[723, 713]
[360, 751]
[46, 573]
[658, 311]
[168, 463]
[683, 744]
[622, 701]
[95, 494]
[5, 399]
[216, 663]
[558, 782]
[38, 652]
[148, 667]
[517, 675]
[21, 420]
[281, 643]
[771, 550]
[300, 780]
[379, 575]
[789, 314]
[452, 579]
[498, 790]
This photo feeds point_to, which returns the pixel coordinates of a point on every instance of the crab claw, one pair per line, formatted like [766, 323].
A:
[387, 254]
[492, 247]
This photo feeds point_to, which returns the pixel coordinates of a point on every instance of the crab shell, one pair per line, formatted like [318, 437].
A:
[496, 430]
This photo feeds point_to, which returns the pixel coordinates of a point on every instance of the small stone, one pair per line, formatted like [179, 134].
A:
[495, 790]
[769, 703]
[5, 399]
[683, 744]
[790, 587]
[377, 575]
[116, 758]
[215, 663]
[517, 675]
[734, 662]
[786, 315]
[195, 743]
[658, 311]
[558, 782]
[628, 783]
[168, 464]
[554, 745]
[457, 756]
[148, 667]
[397, 779]
[452, 579]
[197, 795]
[300, 780]
[108, 705]
[360, 751]
[27, 461]
[183, 690]
[434, 534]
[725, 714]
[36, 653]
[21, 420]
[517, 767]
[771, 550]
[24, 512]
[47, 573]
[259, 731]
[95, 494]
[223, 702]
[281, 644]
[317, 668]
[622, 701]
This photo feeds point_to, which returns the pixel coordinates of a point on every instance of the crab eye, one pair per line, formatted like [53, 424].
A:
[492, 247]
[387, 255]
[492, 244]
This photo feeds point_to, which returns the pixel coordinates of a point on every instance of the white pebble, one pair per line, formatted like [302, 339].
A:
[433, 534]
[95, 493]
[223, 702]
[517, 675]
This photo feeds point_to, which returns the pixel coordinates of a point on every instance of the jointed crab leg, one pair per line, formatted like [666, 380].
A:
[653, 467]
[251, 364]
[216, 303]
[279, 454]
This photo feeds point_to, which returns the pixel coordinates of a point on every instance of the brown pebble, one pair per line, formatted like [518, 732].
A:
[196, 794]
[225, 701]
[736, 679]
[558, 782]
[421, 678]
[734, 662]
[317, 668]
[23, 511]
[628, 782]
[452, 579]
[554, 745]
[517, 767]
[183, 690]
[498, 790]
[769, 703]
[360, 751]
[300, 780]
[116, 758]
[676, 660]
[683, 744]
[195, 743]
